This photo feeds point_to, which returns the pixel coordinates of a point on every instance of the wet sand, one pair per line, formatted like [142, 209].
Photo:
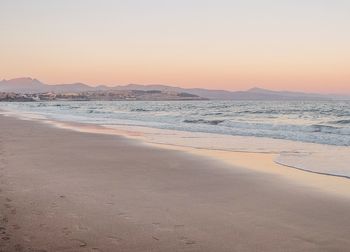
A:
[62, 190]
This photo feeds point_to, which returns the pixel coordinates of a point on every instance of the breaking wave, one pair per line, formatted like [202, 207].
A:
[210, 122]
[314, 122]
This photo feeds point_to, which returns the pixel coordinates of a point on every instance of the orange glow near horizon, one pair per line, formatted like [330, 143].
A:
[232, 45]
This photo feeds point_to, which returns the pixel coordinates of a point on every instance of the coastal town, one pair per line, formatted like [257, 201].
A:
[114, 95]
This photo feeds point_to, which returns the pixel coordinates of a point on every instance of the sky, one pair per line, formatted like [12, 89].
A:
[301, 45]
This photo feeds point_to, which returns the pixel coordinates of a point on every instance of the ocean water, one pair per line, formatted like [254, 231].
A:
[314, 122]
[310, 135]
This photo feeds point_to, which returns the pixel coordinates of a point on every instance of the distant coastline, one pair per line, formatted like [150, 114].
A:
[33, 87]
[117, 95]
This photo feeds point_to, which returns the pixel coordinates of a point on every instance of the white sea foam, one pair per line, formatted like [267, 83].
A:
[311, 136]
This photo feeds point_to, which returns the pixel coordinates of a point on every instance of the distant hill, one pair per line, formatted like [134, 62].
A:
[250, 94]
[29, 85]
[21, 85]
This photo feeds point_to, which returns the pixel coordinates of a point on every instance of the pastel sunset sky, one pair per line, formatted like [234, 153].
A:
[219, 44]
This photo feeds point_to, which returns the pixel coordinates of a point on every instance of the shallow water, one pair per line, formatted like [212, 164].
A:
[314, 136]
[315, 122]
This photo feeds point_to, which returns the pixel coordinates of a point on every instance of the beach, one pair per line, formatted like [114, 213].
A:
[63, 190]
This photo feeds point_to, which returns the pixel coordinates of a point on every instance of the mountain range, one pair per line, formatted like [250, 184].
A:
[30, 86]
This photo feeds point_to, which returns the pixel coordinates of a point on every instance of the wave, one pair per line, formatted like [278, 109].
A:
[214, 113]
[347, 121]
[324, 128]
[211, 122]
[92, 111]
[140, 110]
[324, 123]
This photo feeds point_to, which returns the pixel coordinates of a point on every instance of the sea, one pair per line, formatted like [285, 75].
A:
[308, 135]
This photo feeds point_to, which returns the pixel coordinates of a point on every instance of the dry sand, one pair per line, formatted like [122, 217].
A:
[67, 191]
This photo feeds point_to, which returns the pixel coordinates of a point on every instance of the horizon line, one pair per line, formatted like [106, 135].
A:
[174, 86]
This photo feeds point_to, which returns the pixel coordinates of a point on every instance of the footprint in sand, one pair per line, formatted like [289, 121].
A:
[158, 227]
[37, 212]
[155, 238]
[5, 238]
[81, 243]
[80, 227]
[115, 240]
[187, 241]
[54, 205]
[16, 227]
[124, 215]
[176, 227]
[156, 224]
[7, 205]
[66, 231]
[18, 247]
[28, 238]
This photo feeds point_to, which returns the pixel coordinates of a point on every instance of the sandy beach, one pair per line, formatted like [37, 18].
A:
[62, 190]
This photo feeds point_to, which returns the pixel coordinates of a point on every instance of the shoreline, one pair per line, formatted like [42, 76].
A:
[311, 157]
[337, 185]
[63, 190]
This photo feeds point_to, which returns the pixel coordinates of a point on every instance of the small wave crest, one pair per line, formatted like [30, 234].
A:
[140, 110]
[347, 121]
[211, 122]
[324, 128]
